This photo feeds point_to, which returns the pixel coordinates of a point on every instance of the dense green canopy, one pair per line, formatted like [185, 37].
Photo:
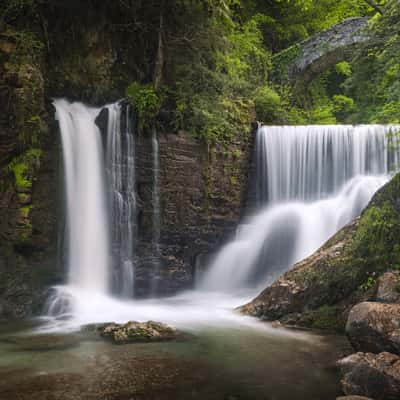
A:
[206, 63]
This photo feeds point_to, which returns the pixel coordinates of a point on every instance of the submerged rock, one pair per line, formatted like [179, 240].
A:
[371, 375]
[374, 327]
[134, 331]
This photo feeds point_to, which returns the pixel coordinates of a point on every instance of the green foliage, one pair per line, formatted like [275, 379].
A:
[343, 68]
[369, 283]
[377, 236]
[145, 100]
[214, 83]
[342, 106]
[268, 105]
[375, 82]
[282, 61]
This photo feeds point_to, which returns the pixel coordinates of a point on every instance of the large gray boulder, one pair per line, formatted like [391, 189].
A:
[374, 327]
[371, 375]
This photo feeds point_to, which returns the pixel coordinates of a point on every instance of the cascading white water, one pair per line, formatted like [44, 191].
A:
[156, 212]
[311, 181]
[86, 215]
[312, 162]
[120, 165]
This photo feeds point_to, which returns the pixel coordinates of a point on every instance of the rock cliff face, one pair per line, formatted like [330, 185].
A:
[202, 196]
[93, 57]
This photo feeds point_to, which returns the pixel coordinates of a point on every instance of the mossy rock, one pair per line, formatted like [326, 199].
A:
[133, 332]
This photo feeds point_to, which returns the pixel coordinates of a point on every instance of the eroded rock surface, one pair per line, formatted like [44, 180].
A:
[371, 375]
[374, 327]
[389, 287]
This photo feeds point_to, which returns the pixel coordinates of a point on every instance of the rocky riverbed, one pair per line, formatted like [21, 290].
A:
[232, 362]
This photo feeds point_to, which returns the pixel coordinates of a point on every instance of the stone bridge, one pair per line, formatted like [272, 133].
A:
[303, 61]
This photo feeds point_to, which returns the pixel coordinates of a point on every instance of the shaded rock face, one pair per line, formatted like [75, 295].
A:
[374, 327]
[320, 290]
[202, 196]
[133, 332]
[28, 178]
[371, 375]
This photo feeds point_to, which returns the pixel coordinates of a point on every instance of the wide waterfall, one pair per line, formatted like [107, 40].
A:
[87, 228]
[120, 165]
[310, 182]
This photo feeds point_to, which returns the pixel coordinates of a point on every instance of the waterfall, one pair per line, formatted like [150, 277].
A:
[86, 214]
[156, 213]
[310, 182]
[120, 166]
[99, 178]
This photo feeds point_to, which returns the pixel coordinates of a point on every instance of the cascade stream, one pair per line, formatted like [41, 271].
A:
[310, 182]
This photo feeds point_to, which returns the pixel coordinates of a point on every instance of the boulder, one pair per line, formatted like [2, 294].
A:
[389, 287]
[134, 331]
[372, 375]
[374, 327]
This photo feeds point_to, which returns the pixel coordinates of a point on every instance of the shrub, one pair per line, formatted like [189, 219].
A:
[268, 105]
[145, 100]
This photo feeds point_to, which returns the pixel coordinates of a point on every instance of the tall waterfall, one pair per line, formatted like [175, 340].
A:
[99, 174]
[86, 215]
[120, 165]
[310, 182]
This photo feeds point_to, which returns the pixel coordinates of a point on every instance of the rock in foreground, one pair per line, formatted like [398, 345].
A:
[374, 327]
[134, 331]
[371, 375]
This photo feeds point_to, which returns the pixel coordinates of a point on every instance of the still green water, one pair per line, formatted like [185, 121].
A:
[226, 364]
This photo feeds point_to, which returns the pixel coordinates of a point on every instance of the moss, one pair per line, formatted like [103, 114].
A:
[325, 317]
[283, 61]
[376, 239]
[23, 168]
[23, 197]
